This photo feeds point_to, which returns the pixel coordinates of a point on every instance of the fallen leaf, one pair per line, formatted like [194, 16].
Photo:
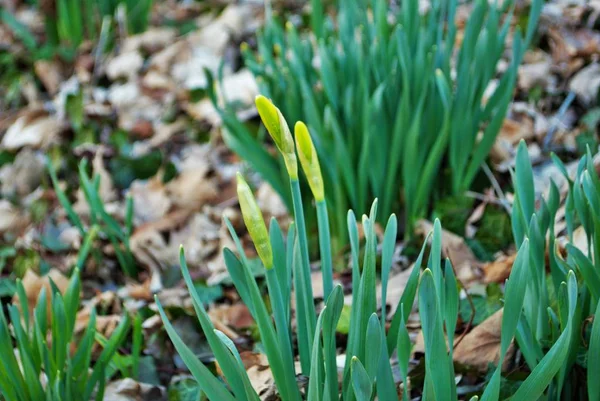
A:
[586, 83]
[270, 202]
[189, 72]
[33, 284]
[535, 70]
[23, 175]
[193, 187]
[250, 359]
[566, 44]
[130, 390]
[150, 200]
[465, 264]
[237, 315]
[162, 61]
[580, 240]
[142, 129]
[49, 72]
[261, 377]
[125, 65]
[11, 218]
[395, 289]
[481, 346]
[516, 127]
[133, 105]
[498, 270]
[34, 128]
[239, 88]
[175, 298]
[151, 40]
[216, 35]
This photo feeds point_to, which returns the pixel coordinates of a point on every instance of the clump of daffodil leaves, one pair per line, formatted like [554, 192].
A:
[372, 351]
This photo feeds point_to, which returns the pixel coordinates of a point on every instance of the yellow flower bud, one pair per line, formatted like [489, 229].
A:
[254, 222]
[280, 132]
[309, 160]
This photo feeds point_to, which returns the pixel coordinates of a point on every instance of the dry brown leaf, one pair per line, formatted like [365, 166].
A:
[157, 81]
[162, 61]
[465, 264]
[137, 291]
[396, 286]
[270, 202]
[204, 111]
[133, 105]
[151, 40]
[586, 83]
[33, 128]
[516, 127]
[261, 380]
[150, 200]
[125, 65]
[237, 315]
[580, 240]
[189, 70]
[175, 298]
[49, 72]
[498, 270]
[23, 175]
[240, 87]
[316, 278]
[202, 235]
[476, 215]
[193, 187]
[11, 218]
[130, 390]
[33, 284]
[150, 247]
[567, 44]
[535, 70]
[481, 346]
[216, 35]
[142, 129]
[250, 359]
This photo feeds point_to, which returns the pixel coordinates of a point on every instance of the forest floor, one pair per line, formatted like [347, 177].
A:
[140, 116]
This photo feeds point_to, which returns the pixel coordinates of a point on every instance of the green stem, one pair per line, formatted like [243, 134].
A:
[283, 335]
[325, 248]
[268, 335]
[305, 263]
[87, 246]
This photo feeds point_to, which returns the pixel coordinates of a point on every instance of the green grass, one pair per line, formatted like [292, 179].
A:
[101, 222]
[45, 368]
[75, 21]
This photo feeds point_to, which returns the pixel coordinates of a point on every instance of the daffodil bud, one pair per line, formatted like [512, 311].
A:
[309, 160]
[254, 222]
[280, 132]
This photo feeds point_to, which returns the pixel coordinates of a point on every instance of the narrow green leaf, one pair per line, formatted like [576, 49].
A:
[593, 362]
[214, 389]
[361, 382]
